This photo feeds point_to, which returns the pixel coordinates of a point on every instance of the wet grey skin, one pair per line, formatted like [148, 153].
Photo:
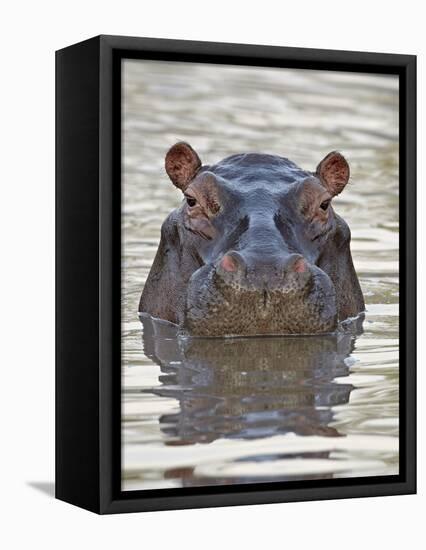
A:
[254, 249]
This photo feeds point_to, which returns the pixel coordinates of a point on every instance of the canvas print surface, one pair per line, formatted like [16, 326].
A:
[260, 326]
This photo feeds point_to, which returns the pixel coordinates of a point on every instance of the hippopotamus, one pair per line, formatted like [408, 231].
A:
[255, 248]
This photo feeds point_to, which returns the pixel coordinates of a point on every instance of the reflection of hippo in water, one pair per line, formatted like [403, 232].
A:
[255, 248]
[248, 387]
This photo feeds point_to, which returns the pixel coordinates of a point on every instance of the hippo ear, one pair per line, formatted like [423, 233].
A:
[333, 171]
[182, 163]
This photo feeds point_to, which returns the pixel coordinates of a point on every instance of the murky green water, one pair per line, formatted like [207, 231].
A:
[201, 412]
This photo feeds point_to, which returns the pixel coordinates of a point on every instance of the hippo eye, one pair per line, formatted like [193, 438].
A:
[325, 204]
[190, 201]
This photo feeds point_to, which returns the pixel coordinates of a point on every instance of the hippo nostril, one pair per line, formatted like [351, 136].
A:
[299, 266]
[232, 262]
[295, 263]
[228, 263]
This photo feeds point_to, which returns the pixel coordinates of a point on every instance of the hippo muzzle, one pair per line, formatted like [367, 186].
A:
[232, 299]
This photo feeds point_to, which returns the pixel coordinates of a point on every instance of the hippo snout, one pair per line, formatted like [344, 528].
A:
[237, 299]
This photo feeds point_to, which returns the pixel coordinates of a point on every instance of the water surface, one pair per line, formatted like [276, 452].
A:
[200, 411]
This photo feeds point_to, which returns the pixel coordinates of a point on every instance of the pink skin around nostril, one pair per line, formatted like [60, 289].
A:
[228, 263]
[299, 266]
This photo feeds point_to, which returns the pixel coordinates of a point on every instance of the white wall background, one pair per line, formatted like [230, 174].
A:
[29, 34]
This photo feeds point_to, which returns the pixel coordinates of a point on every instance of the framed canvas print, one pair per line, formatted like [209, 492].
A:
[235, 274]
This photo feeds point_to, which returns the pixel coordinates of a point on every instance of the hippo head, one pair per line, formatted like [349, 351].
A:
[255, 248]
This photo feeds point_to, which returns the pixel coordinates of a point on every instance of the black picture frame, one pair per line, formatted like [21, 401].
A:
[88, 171]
